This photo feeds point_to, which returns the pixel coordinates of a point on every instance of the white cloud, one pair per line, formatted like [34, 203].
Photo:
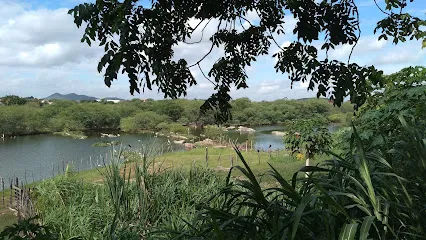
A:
[402, 54]
[268, 87]
[366, 45]
[42, 38]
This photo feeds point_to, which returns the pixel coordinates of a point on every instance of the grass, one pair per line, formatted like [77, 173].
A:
[284, 163]
[219, 160]
[7, 217]
[127, 206]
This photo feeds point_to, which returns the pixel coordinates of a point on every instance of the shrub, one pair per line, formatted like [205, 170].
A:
[143, 120]
[213, 132]
[178, 128]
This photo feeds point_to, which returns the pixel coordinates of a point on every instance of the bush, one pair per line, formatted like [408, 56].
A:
[142, 120]
[178, 128]
[213, 132]
[172, 128]
[28, 229]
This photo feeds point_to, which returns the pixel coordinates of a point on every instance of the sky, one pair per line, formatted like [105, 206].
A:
[41, 54]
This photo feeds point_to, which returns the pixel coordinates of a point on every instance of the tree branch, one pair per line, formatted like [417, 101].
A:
[202, 32]
[270, 33]
[241, 23]
[359, 33]
[375, 1]
[210, 50]
[208, 79]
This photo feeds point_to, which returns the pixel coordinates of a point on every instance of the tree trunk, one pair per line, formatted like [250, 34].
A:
[307, 164]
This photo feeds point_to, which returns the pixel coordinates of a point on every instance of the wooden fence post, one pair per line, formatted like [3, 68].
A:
[220, 163]
[258, 156]
[2, 184]
[207, 157]
[11, 184]
[269, 151]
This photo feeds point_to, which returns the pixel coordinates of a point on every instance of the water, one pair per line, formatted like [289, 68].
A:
[262, 138]
[42, 156]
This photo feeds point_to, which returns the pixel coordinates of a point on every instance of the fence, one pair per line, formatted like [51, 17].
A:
[18, 198]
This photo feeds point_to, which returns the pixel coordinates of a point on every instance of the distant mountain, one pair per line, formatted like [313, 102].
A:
[113, 98]
[76, 97]
[310, 98]
[71, 96]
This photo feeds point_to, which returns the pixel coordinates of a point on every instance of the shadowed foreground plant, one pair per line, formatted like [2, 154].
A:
[356, 197]
[28, 229]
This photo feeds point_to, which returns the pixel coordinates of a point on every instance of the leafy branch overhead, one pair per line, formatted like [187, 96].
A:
[138, 38]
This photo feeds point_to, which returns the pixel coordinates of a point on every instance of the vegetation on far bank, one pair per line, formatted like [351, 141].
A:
[32, 117]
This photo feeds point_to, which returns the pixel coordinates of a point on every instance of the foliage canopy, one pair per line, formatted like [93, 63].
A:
[138, 38]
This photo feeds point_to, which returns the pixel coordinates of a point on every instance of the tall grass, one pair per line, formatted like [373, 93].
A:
[134, 201]
[359, 196]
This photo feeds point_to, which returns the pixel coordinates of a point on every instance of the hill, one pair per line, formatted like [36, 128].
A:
[113, 98]
[71, 96]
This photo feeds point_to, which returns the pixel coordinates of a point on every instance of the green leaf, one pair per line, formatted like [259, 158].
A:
[348, 231]
[365, 227]
[298, 213]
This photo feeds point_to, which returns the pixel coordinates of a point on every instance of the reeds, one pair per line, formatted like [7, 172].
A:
[134, 200]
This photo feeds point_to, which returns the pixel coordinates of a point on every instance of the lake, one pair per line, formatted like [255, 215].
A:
[42, 156]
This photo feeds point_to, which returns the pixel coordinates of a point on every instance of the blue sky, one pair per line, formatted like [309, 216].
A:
[40, 54]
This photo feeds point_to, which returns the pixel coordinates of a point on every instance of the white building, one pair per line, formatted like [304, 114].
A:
[109, 100]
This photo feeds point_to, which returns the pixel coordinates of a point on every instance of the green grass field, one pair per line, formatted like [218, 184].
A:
[222, 159]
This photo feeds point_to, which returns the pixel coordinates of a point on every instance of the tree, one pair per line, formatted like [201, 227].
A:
[14, 100]
[142, 120]
[310, 136]
[170, 108]
[139, 39]
[403, 94]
